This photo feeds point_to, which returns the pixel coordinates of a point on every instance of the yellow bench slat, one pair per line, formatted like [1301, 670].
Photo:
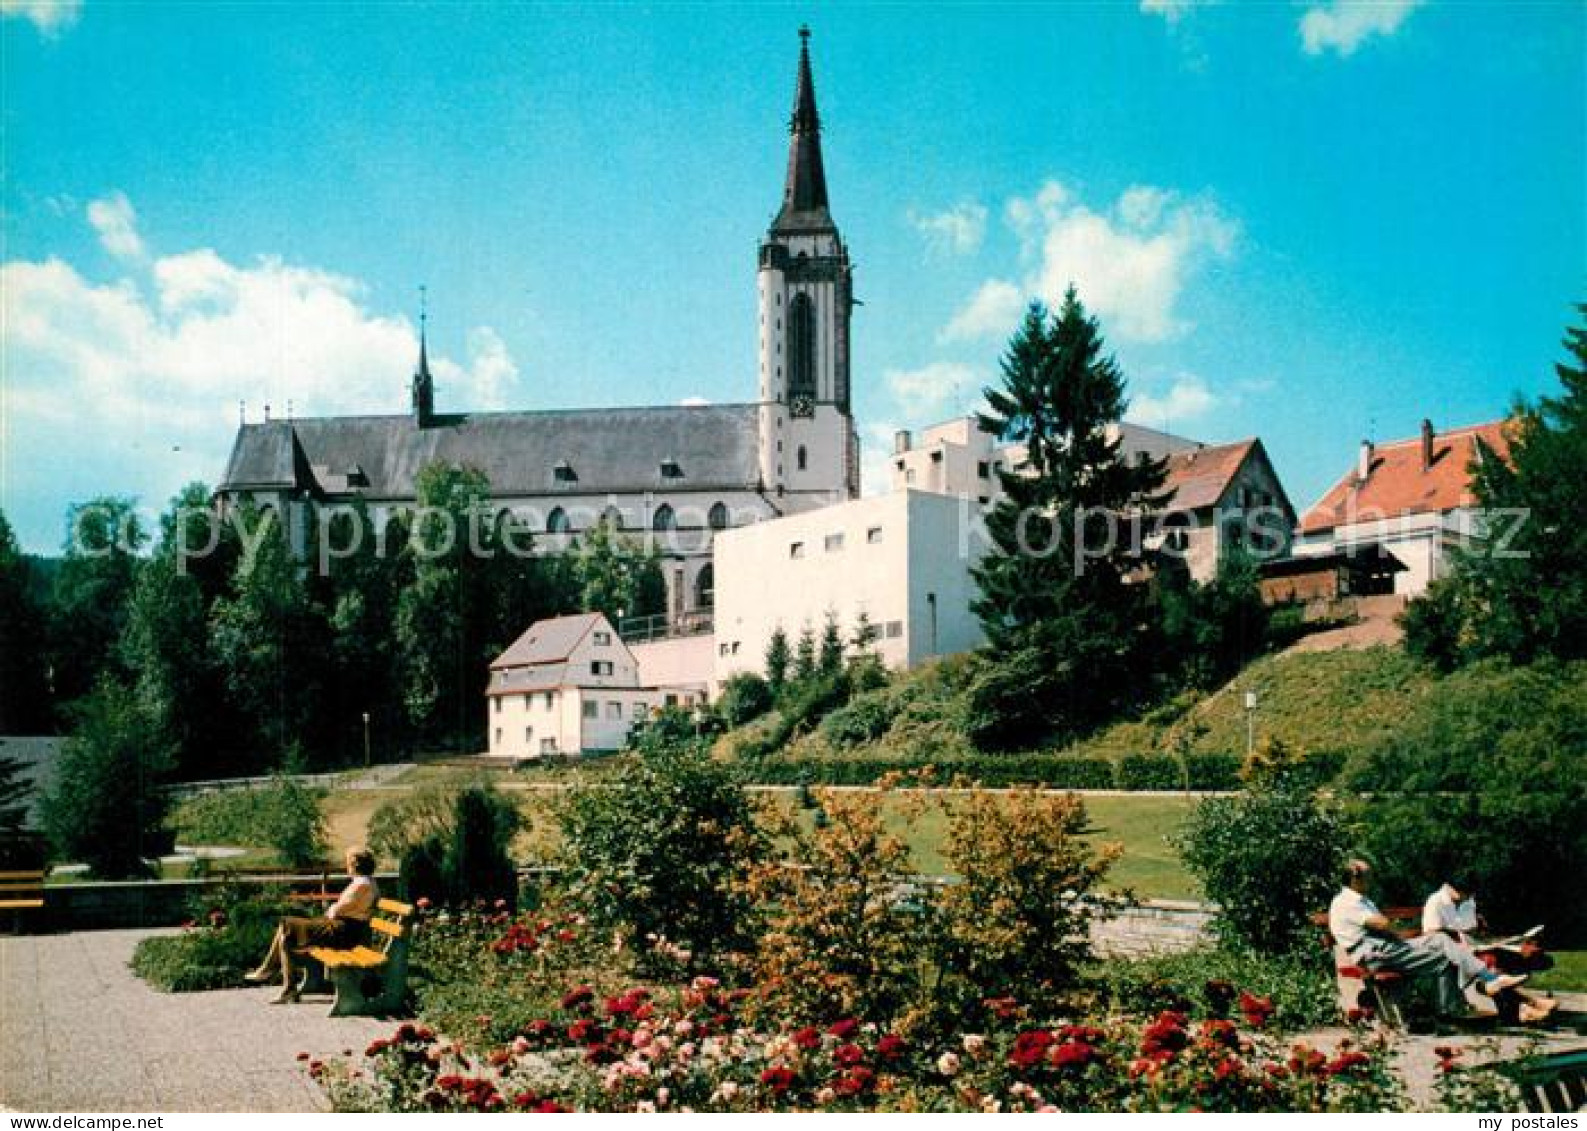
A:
[20, 904]
[386, 927]
[358, 956]
[22, 887]
[391, 906]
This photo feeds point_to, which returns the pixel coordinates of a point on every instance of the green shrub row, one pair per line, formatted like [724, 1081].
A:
[1197, 772]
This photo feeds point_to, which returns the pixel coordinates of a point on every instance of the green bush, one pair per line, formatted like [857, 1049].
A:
[464, 853]
[1213, 772]
[1151, 771]
[745, 698]
[657, 851]
[283, 816]
[231, 932]
[1268, 858]
[863, 720]
[1488, 778]
[1301, 988]
[1057, 771]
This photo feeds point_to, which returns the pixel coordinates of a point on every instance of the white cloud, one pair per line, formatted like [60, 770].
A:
[934, 388]
[876, 462]
[1129, 262]
[117, 224]
[50, 16]
[694, 402]
[993, 311]
[1343, 25]
[1188, 398]
[1173, 10]
[134, 385]
[956, 231]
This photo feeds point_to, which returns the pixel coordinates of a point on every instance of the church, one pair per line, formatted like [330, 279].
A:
[674, 474]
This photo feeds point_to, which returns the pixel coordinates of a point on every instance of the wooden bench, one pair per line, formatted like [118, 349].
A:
[385, 958]
[1553, 1084]
[21, 893]
[1381, 991]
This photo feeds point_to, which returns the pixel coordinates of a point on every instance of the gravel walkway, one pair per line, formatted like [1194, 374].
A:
[79, 1033]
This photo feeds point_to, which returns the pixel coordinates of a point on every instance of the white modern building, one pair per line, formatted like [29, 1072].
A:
[1413, 498]
[901, 560]
[569, 685]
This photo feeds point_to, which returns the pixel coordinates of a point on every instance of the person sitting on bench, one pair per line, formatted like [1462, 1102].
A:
[1369, 939]
[1452, 911]
[345, 925]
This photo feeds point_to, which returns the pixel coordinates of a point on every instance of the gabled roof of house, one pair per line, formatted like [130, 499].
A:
[549, 641]
[1199, 477]
[540, 677]
[1398, 484]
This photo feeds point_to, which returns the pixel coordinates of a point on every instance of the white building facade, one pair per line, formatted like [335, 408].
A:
[900, 560]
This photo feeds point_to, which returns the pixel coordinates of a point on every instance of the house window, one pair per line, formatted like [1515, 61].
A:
[639, 710]
[900, 465]
[936, 457]
[602, 639]
[804, 458]
[526, 699]
[600, 667]
[873, 535]
[834, 543]
[796, 550]
[497, 704]
[592, 709]
[548, 746]
[614, 710]
[551, 699]
[801, 347]
[670, 469]
[672, 700]
[909, 476]
[528, 734]
[895, 629]
[498, 736]
[983, 470]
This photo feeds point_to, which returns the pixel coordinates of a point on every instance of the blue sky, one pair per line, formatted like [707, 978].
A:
[1311, 222]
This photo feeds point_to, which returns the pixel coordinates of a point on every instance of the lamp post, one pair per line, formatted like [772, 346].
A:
[366, 740]
[1250, 724]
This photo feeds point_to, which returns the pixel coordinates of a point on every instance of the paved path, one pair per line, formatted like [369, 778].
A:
[78, 1032]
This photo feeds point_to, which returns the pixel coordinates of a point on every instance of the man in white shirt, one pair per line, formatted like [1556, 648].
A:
[1367, 936]
[1452, 911]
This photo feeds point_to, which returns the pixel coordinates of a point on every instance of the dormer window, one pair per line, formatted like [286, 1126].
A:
[670, 469]
[564, 473]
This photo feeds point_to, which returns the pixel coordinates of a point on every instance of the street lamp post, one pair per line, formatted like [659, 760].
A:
[366, 740]
[1250, 724]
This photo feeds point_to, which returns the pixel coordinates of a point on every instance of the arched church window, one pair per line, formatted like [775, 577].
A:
[557, 521]
[612, 518]
[664, 518]
[801, 348]
[804, 458]
[705, 588]
[717, 518]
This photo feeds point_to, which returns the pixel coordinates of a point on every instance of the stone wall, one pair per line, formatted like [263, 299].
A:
[1158, 926]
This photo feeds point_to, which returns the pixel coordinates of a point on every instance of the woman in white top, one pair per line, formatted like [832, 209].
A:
[345, 925]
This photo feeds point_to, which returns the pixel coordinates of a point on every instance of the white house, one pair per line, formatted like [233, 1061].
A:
[1412, 498]
[569, 685]
[902, 560]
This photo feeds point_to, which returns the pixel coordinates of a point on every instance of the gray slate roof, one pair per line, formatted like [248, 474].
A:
[609, 450]
[549, 641]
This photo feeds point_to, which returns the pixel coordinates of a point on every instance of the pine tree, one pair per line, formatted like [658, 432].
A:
[14, 794]
[804, 665]
[1066, 632]
[830, 660]
[1527, 599]
[24, 691]
[777, 662]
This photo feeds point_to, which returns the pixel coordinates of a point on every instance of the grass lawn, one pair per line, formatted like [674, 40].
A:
[1148, 866]
[1569, 973]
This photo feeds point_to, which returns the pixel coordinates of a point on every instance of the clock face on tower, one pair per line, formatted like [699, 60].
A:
[801, 406]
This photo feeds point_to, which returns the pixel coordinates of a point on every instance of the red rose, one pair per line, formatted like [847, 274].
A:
[854, 1081]
[891, 1047]
[1256, 1009]
[1347, 1061]
[577, 996]
[1075, 1055]
[807, 1038]
[847, 1056]
[1030, 1047]
[844, 1029]
[779, 1080]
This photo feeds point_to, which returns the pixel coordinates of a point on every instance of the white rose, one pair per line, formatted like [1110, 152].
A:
[948, 1064]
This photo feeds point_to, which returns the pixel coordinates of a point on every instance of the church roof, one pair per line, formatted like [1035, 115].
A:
[569, 452]
[804, 197]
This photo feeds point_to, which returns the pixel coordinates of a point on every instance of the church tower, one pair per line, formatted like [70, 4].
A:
[422, 393]
[809, 454]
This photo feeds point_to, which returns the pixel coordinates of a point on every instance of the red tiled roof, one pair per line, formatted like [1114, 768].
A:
[1397, 484]
[1200, 476]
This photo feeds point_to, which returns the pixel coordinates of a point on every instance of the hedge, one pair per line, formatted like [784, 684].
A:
[1206, 772]
[1151, 771]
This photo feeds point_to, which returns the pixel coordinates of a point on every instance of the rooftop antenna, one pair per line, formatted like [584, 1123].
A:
[289, 408]
[267, 412]
[242, 413]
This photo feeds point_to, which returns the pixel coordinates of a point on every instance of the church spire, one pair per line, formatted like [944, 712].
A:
[804, 196]
[423, 383]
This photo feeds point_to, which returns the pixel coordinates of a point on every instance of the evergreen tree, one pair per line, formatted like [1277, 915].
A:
[14, 794]
[1068, 635]
[804, 665]
[105, 807]
[92, 592]
[830, 660]
[777, 662]
[24, 689]
[1528, 598]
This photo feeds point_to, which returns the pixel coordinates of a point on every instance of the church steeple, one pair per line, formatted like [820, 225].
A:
[423, 383]
[804, 197]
